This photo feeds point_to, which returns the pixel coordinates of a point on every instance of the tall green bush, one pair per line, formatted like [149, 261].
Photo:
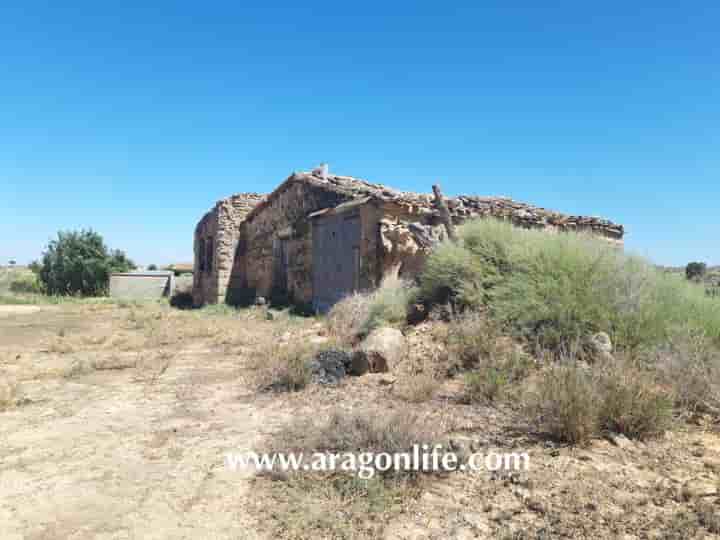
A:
[556, 289]
[79, 262]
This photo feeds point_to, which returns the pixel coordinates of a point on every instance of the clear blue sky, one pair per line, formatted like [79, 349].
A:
[134, 117]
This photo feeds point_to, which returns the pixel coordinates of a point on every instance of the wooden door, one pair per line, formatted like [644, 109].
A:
[336, 258]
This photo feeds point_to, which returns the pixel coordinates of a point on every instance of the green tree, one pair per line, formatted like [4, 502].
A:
[152, 267]
[79, 262]
[695, 270]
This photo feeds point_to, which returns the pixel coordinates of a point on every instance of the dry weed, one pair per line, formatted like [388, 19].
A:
[344, 505]
[114, 362]
[281, 367]
[347, 317]
[9, 394]
[417, 388]
[61, 344]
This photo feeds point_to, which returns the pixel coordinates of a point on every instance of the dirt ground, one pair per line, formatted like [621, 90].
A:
[121, 417]
[130, 449]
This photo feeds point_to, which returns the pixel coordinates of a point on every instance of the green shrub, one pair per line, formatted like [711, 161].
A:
[554, 290]
[358, 314]
[26, 284]
[79, 262]
[487, 383]
[388, 305]
[695, 270]
[452, 274]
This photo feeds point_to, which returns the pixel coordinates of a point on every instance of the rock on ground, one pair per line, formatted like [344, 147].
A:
[384, 348]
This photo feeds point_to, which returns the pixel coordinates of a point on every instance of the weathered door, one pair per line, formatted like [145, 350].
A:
[280, 278]
[336, 258]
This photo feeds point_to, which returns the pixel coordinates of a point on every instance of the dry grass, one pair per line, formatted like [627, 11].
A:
[358, 431]
[574, 403]
[337, 507]
[61, 344]
[417, 388]
[281, 367]
[343, 505]
[347, 317]
[566, 404]
[491, 363]
[9, 394]
[691, 366]
[360, 313]
[633, 404]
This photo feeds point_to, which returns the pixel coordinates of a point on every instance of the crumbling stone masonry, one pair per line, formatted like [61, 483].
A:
[216, 237]
[318, 237]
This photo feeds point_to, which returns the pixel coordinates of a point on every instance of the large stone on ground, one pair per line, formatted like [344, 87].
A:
[600, 346]
[359, 364]
[384, 348]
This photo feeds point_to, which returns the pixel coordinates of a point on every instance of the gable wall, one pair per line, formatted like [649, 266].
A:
[221, 226]
[281, 219]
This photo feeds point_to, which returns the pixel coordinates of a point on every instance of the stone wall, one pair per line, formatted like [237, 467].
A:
[410, 226]
[249, 233]
[141, 285]
[282, 218]
[219, 231]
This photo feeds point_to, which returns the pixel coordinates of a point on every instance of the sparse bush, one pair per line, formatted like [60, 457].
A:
[417, 388]
[477, 343]
[358, 314]
[348, 316]
[473, 338]
[566, 404]
[26, 284]
[8, 394]
[79, 262]
[358, 432]
[388, 305]
[485, 384]
[338, 506]
[690, 365]
[345, 505]
[633, 404]
[574, 402]
[282, 367]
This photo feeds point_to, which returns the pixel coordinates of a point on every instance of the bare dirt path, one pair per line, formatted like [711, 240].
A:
[124, 453]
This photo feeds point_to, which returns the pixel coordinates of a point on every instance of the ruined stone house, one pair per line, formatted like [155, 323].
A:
[319, 237]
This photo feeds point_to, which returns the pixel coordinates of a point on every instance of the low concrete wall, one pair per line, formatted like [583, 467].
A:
[139, 285]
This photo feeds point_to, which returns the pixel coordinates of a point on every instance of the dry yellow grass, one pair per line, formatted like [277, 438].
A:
[9, 394]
